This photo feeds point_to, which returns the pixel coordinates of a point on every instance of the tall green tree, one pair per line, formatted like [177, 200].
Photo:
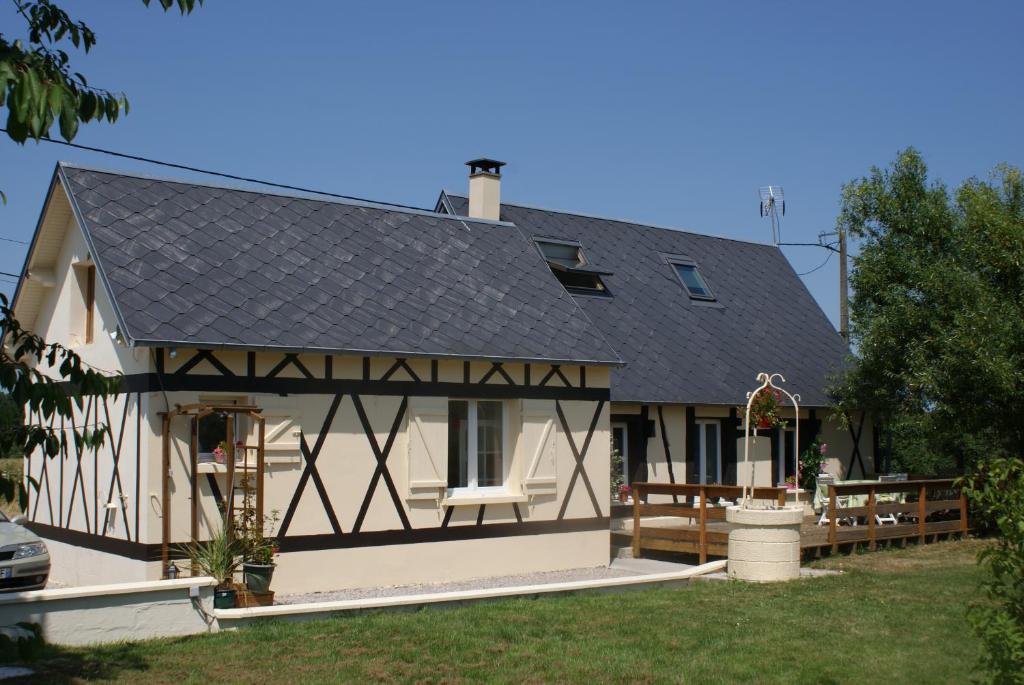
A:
[39, 88]
[937, 313]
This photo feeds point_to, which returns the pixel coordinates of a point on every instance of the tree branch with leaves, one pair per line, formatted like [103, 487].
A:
[37, 84]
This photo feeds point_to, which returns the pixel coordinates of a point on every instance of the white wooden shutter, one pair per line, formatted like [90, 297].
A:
[540, 437]
[428, 447]
[282, 429]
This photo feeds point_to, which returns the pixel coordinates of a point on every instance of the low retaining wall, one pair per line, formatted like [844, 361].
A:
[114, 613]
[234, 618]
[170, 608]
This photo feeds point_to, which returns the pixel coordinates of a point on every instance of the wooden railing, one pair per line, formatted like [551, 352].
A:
[700, 540]
[915, 505]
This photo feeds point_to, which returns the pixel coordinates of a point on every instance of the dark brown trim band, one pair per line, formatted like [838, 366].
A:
[149, 382]
[308, 543]
[382, 538]
[100, 543]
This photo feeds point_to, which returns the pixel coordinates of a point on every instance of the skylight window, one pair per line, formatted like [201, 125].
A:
[570, 267]
[691, 278]
[565, 254]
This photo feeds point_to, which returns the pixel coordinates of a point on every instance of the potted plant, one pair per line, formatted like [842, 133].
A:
[765, 411]
[220, 453]
[615, 478]
[812, 464]
[624, 492]
[218, 558]
[257, 547]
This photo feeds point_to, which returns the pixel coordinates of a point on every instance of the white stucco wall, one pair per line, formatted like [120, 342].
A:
[115, 612]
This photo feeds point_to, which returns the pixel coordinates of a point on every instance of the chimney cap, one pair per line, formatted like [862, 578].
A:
[485, 165]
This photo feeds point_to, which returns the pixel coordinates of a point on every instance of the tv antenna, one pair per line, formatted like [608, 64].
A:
[773, 201]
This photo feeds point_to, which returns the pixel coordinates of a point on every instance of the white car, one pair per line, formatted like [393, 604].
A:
[24, 560]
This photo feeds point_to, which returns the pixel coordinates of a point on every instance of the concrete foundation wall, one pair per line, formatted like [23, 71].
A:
[73, 566]
[115, 613]
[437, 562]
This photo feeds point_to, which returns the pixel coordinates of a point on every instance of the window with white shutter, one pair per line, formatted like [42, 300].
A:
[539, 440]
[428, 447]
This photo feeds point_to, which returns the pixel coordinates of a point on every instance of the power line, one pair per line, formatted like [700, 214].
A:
[4, 273]
[12, 240]
[820, 266]
[221, 174]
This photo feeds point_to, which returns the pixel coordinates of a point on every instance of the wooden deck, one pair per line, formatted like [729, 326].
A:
[701, 528]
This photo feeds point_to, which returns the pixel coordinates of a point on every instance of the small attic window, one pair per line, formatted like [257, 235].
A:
[692, 280]
[570, 267]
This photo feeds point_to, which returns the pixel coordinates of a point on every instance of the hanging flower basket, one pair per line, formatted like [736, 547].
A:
[765, 409]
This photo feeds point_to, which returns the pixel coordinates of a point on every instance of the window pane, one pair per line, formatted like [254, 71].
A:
[692, 279]
[212, 430]
[458, 444]
[567, 255]
[489, 442]
[711, 445]
[790, 442]
[580, 281]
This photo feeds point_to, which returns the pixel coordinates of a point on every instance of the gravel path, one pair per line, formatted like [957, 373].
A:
[598, 573]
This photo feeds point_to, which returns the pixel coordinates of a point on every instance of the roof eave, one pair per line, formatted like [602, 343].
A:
[241, 347]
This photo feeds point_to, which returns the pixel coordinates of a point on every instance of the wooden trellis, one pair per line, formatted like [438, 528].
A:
[196, 412]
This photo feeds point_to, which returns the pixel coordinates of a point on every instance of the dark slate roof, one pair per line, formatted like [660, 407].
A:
[206, 266]
[682, 351]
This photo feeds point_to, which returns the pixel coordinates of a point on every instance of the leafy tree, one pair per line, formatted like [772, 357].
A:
[44, 397]
[11, 419]
[36, 82]
[39, 88]
[996, 490]
[937, 314]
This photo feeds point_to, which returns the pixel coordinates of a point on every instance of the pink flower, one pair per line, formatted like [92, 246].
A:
[824, 447]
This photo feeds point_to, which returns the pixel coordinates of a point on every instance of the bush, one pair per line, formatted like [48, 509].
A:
[996, 492]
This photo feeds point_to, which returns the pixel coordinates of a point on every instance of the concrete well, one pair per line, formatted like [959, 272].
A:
[764, 544]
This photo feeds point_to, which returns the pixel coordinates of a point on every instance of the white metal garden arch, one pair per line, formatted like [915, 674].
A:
[768, 381]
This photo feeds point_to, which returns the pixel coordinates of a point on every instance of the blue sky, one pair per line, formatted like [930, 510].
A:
[663, 112]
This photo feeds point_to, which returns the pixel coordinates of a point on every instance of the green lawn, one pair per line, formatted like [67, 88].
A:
[894, 616]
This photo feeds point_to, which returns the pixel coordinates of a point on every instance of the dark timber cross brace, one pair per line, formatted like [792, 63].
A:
[115, 476]
[382, 467]
[310, 457]
[195, 412]
[855, 435]
[579, 455]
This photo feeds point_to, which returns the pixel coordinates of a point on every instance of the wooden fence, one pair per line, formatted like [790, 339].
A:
[910, 502]
[697, 539]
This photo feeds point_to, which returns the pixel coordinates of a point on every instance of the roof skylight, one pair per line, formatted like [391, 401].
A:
[693, 281]
[570, 267]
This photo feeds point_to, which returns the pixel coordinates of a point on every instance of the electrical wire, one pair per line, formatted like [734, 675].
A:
[820, 266]
[12, 240]
[220, 174]
[6, 273]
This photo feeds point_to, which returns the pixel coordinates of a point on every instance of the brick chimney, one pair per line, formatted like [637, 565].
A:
[485, 188]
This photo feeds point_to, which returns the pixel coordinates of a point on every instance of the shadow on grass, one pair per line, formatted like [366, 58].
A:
[75, 665]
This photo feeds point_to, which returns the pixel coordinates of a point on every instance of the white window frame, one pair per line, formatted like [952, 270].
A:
[702, 451]
[780, 454]
[472, 467]
[237, 418]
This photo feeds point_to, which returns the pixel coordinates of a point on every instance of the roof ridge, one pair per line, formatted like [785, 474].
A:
[622, 221]
[299, 195]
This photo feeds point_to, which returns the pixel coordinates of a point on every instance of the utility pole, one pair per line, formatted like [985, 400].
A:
[844, 312]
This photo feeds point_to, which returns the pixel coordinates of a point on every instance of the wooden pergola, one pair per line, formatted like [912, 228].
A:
[196, 412]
